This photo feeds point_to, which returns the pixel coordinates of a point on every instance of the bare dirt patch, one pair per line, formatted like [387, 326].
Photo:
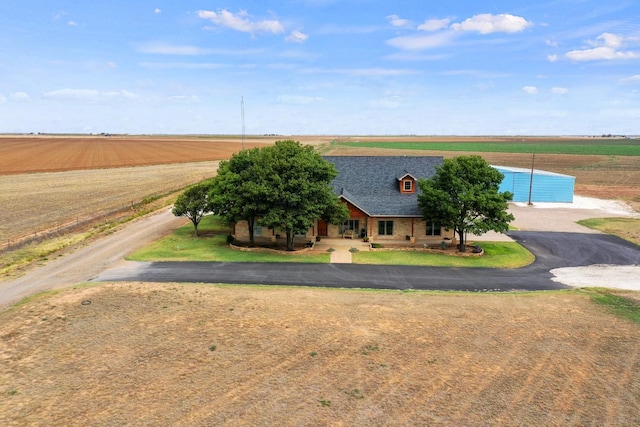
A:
[209, 355]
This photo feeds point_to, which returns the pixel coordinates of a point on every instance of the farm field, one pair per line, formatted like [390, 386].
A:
[57, 180]
[50, 181]
[193, 355]
[34, 202]
[53, 154]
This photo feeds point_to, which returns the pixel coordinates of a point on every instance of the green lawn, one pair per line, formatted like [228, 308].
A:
[618, 147]
[626, 228]
[182, 245]
[497, 255]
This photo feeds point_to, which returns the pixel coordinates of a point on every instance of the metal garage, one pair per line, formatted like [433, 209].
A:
[544, 186]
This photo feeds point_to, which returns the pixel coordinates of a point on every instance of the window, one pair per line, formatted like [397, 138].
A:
[351, 224]
[257, 230]
[408, 185]
[385, 228]
[433, 229]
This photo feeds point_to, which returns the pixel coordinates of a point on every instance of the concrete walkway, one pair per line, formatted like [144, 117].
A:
[341, 253]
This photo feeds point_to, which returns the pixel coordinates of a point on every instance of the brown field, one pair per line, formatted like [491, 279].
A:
[187, 355]
[80, 177]
[20, 155]
[170, 354]
[49, 182]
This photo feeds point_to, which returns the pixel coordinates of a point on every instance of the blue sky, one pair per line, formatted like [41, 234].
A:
[337, 67]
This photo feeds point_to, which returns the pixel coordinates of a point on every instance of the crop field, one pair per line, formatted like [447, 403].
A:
[50, 182]
[53, 154]
[584, 146]
[193, 355]
[46, 182]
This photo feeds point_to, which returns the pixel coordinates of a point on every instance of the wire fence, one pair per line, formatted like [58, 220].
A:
[79, 223]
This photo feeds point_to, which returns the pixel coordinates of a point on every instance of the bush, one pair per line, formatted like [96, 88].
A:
[230, 239]
[377, 245]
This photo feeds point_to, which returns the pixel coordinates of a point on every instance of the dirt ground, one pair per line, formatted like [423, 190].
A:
[169, 354]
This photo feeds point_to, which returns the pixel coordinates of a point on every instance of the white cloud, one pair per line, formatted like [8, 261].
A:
[298, 100]
[398, 22]
[165, 49]
[240, 22]
[386, 103]
[552, 43]
[297, 37]
[559, 90]
[72, 23]
[182, 65]
[606, 47]
[434, 24]
[421, 42]
[158, 10]
[90, 95]
[20, 97]
[112, 65]
[552, 58]
[487, 24]
[187, 99]
[631, 80]
[531, 90]
[2, 99]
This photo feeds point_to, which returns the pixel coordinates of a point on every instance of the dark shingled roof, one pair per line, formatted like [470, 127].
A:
[371, 183]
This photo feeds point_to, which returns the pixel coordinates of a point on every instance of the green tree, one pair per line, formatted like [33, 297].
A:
[239, 189]
[464, 194]
[193, 203]
[299, 189]
[285, 186]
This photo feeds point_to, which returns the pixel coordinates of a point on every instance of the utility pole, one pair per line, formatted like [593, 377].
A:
[242, 116]
[533, 159]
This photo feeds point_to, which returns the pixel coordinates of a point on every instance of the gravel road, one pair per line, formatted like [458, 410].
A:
[91, 259]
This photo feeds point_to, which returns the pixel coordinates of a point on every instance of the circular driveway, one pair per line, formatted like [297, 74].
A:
[552, 250]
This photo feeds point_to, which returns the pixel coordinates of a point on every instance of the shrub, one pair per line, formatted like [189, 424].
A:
[377, 245]
[230, 239]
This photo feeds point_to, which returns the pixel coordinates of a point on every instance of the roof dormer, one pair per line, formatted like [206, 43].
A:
[407, 183]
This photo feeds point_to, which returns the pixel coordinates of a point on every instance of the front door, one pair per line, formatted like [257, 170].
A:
[322, 228]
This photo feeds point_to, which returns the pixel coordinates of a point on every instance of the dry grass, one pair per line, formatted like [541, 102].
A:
[150, 354]
[35, 202]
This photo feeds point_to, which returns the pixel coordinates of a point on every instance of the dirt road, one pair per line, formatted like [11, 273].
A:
[90, 260]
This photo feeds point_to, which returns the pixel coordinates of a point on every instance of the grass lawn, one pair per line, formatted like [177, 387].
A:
[626, 228]
[182, 245]
[497, 255]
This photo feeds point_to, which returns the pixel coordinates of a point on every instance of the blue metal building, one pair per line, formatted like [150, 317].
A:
[546, 186]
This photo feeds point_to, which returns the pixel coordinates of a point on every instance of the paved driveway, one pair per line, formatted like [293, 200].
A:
[552, 250]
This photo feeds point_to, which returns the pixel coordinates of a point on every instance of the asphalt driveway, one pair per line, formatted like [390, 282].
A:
[552, 250]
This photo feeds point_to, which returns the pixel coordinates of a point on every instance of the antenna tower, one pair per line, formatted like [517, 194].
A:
[242, 116]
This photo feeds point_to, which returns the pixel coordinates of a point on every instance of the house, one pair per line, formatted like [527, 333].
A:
[382, 196]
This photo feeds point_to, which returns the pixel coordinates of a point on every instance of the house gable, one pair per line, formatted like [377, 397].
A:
[376, 184]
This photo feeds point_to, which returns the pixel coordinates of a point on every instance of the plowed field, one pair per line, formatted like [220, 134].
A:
[54, 154]
[186, 355]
